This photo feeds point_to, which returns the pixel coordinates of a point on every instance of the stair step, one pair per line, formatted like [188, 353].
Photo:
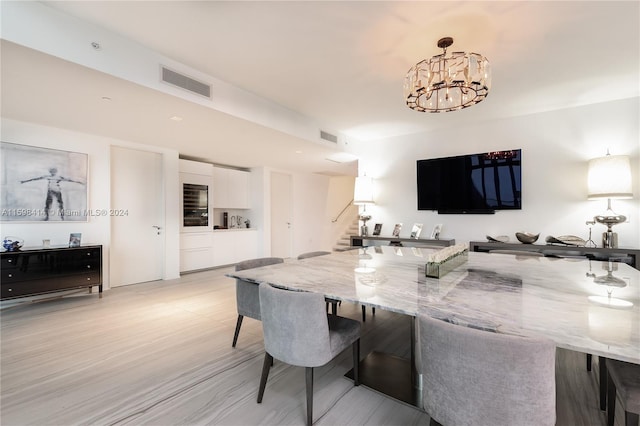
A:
[344, 241]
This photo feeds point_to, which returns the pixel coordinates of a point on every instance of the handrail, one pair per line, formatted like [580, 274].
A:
[343, 210]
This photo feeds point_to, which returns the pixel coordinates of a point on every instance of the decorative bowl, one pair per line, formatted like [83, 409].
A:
[527, 237]
[12, 243]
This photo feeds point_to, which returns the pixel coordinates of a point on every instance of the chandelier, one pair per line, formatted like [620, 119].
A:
[447, 83]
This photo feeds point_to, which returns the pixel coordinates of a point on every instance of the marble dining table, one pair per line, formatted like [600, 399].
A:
[580, 304]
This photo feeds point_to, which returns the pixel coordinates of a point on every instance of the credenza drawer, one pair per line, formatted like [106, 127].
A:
[40, 286]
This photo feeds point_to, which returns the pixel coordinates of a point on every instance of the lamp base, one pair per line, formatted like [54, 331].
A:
[610, 239]
[364, 231]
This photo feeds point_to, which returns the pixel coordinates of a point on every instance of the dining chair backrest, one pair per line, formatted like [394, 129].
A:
[477, 377]
[247, 295]
[256, 263]
[298, 331]
[247, 299]
[328, 301]
[313, 254]
[295, 326]
[623, 383]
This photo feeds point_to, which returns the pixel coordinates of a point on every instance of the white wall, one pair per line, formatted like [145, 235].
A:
[310, 221]
[97, 230]
[556, 147]
[340, 196]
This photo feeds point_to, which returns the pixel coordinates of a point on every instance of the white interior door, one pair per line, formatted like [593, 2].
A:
[137, 201]
[281, 213]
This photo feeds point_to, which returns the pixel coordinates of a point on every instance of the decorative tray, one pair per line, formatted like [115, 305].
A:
[567, 240]
[445, 260]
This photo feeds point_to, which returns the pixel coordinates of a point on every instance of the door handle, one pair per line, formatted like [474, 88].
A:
[157, 228]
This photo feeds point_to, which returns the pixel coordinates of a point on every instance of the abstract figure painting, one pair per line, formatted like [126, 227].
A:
[42, 184]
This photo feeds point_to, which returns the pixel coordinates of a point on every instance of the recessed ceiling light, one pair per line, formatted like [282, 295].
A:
[342, 157]
[175, 118]
[298, 152]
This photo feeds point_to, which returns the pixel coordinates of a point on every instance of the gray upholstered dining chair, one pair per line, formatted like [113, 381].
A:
[623, 378]
[298, 331]
[247, 297]
[567, 255]
[478, 377]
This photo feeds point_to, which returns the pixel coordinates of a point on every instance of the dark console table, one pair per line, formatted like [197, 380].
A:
[358, 241]
[41, 271]
[629, 256]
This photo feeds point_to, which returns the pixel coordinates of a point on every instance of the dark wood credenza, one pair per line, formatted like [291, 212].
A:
[359, 241]
[40, 271]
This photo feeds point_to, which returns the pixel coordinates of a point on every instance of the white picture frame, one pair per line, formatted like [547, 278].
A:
[396, 230]
[416, 230]
[437, 229]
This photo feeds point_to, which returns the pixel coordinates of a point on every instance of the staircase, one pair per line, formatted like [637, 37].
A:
[344, 242]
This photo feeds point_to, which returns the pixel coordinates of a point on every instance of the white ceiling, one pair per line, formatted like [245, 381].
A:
[339, 63]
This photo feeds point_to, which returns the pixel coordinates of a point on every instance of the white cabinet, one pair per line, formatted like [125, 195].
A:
[217, 248]
[238, 185]
[223, 251]
[246, 245]
[220, 191]
[234, 246]
[194, 259]
[231, 189]
[203, 187]
[196, 251]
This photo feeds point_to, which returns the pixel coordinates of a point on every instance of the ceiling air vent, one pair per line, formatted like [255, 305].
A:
[328, 136]
[187, 83]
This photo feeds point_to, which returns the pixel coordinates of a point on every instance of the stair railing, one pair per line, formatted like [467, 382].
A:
[342, 212]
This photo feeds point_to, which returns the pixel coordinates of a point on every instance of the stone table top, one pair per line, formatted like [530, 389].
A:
[571, 301]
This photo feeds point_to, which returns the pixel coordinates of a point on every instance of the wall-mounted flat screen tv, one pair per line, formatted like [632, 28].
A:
[475, 183]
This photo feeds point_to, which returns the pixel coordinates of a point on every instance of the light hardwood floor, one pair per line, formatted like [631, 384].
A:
[160, 354]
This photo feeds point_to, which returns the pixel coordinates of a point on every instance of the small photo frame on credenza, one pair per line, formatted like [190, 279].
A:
[416, 230]
[74, 239]
[396, 230]
[435, 234]
[377, 228]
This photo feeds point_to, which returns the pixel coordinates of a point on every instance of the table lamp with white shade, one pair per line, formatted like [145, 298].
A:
[609, 177]
[363, 195]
